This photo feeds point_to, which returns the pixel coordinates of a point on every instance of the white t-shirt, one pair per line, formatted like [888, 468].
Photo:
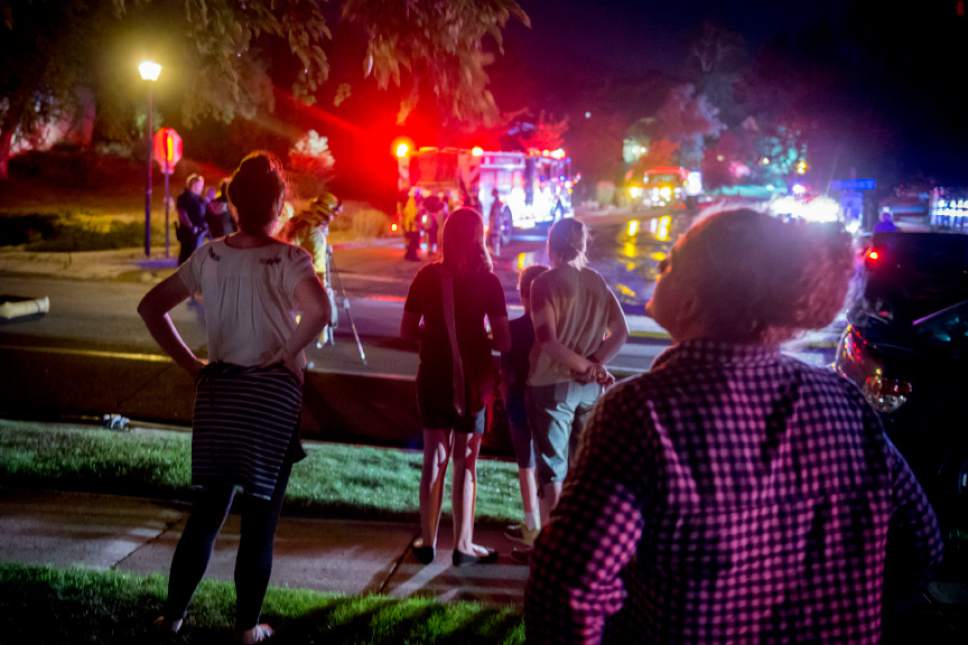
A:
[248, 296]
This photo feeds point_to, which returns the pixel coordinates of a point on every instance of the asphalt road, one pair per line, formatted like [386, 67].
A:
[91, 354]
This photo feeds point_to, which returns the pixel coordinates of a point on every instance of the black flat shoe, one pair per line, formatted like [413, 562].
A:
[423, 554]
[461, 558]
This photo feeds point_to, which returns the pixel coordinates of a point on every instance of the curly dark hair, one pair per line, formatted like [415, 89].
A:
[257, 190]
[759, 279]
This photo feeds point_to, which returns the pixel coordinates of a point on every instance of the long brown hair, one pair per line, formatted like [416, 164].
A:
[464, 250]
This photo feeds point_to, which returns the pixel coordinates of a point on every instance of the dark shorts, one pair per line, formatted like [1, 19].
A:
[520, 429]
[435, 400]
[437, 410]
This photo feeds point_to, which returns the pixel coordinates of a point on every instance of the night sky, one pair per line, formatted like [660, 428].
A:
[885, 80]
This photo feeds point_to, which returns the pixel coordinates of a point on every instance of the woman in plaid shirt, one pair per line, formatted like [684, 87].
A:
[733, 494]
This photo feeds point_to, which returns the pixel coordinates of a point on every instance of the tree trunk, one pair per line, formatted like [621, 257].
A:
[6, 140]
[15, 110]
[19, 102]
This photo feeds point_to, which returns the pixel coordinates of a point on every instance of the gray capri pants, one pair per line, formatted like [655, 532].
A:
[558, 413]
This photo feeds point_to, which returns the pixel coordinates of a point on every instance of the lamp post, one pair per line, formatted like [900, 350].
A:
[149, 71]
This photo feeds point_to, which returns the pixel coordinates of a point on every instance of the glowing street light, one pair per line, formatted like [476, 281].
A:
[149, 71]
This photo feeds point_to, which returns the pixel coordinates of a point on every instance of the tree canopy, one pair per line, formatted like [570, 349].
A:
[224, 58]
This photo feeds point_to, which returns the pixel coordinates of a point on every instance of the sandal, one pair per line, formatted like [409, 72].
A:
[257, 634]
[460, 558]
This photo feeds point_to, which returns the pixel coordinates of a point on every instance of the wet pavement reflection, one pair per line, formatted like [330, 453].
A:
[627, 252]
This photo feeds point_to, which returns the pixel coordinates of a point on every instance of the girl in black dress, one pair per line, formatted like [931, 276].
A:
[456, 375]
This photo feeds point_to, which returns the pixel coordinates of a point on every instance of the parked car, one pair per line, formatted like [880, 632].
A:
[906, 346]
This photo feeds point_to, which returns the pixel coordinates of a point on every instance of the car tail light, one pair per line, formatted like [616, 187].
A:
[886, 394]
[873, 256]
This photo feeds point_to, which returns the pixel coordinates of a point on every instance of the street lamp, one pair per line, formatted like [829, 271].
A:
[149, 71]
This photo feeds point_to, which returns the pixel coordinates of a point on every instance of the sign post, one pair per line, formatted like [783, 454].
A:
[167, 152]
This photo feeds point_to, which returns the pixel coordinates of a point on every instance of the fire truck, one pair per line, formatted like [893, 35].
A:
[672, 186]
[536, 185]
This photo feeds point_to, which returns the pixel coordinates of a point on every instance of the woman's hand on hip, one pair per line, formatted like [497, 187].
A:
[195, 367]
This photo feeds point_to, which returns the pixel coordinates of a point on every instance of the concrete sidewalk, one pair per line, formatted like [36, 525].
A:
[138, 535]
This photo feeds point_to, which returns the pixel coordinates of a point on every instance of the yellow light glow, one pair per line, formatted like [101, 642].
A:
[664, 232]
[149, 70]
[402, 150]
[625, 290]
[522, 260]
[635, 192]
[802, 167]
[477, 151]
[666, 192]
[633, 227]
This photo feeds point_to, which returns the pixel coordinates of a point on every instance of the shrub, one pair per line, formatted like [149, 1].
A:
[22, 229]
[360, 220]
[66, 232]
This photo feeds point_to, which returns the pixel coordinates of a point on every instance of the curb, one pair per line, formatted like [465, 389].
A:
[14, 307]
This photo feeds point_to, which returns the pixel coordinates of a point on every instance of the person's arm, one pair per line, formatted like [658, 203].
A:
[315, 314]
[154, 308]
[410, 326]
[617, 334]
[183, 218]
[497, 316]
[546, 332]
[413, 308]
[501, 333]
[575, 582]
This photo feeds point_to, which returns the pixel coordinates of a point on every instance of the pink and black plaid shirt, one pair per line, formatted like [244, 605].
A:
[732, 494]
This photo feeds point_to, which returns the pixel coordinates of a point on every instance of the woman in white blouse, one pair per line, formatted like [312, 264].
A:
[248, 393]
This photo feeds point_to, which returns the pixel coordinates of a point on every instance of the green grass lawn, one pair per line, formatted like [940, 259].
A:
[336, 480]
[44, 605]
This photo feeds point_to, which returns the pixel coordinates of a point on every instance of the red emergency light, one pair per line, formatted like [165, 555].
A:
[402, 147]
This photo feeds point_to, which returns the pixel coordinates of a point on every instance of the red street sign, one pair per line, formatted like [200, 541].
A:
[167, 149]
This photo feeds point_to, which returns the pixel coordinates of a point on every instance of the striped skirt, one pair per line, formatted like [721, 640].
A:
[245, 427]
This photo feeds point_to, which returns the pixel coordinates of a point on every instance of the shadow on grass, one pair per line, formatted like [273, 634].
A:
[377, 619]
[47, 605]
